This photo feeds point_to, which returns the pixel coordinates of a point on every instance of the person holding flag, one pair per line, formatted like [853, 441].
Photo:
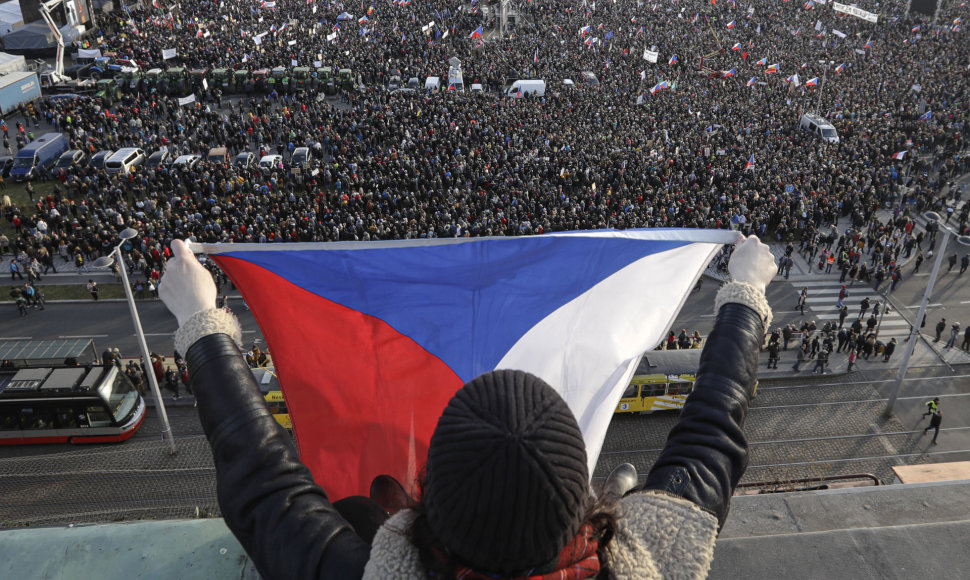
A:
[505, 490]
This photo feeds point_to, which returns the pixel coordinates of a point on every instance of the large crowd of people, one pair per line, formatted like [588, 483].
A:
[711, 150]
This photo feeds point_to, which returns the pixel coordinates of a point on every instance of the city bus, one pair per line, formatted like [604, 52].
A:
[656, 392]
[68, 404]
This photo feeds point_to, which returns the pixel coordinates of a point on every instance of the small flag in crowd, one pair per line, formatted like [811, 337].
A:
[737, 46]
[608, 36]
[730, 24]
[673, 60]
[811, 82]
[840, 68]
[915, 29]
[925, 116]
[804, 65]
[899, 155]
[477, 33]
[659, 86]
[584, 30]
[809, 5]
[750, 163]
[762, 62]
[868, 44]
[728, 73]
[772, 68]
[751, 82]
[362, 20]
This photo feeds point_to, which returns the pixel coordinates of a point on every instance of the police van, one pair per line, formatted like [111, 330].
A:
[819, 126]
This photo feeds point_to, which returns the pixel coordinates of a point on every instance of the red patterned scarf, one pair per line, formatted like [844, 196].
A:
[577, 560]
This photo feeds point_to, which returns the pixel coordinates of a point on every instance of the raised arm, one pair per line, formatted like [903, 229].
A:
[706, 452]
[268, 498]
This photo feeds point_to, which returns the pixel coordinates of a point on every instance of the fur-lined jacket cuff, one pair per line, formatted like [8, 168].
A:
[204, 323]
[747, 294]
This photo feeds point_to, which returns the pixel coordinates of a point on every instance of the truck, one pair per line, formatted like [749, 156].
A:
[38, 155]
[18, 88]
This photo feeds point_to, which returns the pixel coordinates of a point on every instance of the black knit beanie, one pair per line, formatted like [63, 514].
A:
[507, 483]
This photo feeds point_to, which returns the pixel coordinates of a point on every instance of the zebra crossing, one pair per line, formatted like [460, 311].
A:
[823, 298]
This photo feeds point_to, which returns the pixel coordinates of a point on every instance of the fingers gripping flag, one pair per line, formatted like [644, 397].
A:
[371, 340]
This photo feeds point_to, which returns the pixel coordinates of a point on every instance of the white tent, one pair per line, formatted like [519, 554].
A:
[12, 62]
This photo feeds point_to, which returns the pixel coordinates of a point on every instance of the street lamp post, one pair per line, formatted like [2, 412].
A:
[116, 258]
[825, 70]
[932, 217]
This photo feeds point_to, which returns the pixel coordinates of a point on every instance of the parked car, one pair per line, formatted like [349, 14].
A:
[270, 163]
[6, 162]
[158, 159]
[187, 161]
[97, 160]
[245, 160]
[68, 161]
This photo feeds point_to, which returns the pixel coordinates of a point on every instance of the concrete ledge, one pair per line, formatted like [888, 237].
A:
[884, 532]
[184, 549]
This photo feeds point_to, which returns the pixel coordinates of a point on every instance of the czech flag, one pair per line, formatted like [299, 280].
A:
[736, 46]
[730, 24]
[727, 73]
[811, 82]
[804, 65]
[371, 339]
[762, 62]
[899, 155]
[957, 20]
[840, 68]
[582, 31]
[672, 61]
[362, 20]
[915, 29]
[750, 163]
[772, 68]
[477, 33]
[750, 82]
[659, 86]
[868, 43]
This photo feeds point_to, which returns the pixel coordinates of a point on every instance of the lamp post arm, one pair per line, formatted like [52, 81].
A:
[914, 333]
[146, 355]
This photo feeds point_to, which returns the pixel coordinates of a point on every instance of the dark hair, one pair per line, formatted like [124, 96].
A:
[601, 515]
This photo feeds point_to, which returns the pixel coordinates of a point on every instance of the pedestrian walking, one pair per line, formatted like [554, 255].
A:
[843, 294]
[940, 327]
[852, 356]
[953, 262]
[966, 340]
[799, 359]
[890, 349]
[821, 361]
[935, 421]
[801, 300]
[864, 305]
[919, 260]
[964, 263]
[931, 407]
[93, 289]
[773, 355]
[843, 314]
[954, 333]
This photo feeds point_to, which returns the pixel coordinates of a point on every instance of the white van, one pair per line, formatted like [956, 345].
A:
[521, 88]
[432, 84]
[124, 160]
[819, 126]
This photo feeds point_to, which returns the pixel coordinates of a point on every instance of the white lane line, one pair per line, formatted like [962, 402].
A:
[16, 338]
[928, 305]
[85, 336]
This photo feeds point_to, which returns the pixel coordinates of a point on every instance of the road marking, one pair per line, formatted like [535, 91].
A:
[85, 336]
[928, 305]
[16, 338]
[965, 302]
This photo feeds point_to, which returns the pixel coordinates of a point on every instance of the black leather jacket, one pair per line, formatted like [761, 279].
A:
[290, 529]
[706, 452]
